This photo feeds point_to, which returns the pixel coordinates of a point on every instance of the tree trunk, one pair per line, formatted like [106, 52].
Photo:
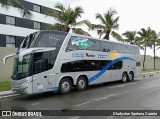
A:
[154, 51]
[66, 28]
[107, 35]
[144, 58]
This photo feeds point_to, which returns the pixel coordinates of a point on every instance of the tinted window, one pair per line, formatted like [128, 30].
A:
[124, 50]
[28, 41]
[127, 49]
[137, 50]
[138, 63]
[42, 61]
[106, 46]
[117, 47]
[80, 43]
[75, 66]
[117, 65]
[132, 49]
[51, 39]
[84, 65]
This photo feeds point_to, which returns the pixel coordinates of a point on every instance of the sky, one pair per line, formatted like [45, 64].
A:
[134, 14]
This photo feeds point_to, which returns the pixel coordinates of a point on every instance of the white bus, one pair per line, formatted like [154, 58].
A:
[58, 61]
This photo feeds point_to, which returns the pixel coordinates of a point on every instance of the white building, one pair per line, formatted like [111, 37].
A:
[13, 27]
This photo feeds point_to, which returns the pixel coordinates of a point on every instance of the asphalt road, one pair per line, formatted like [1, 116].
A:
[141, 94]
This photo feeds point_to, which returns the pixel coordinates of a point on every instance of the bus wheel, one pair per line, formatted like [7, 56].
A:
[81, 83]
[131, 76]
[65, 86]
[124, 77]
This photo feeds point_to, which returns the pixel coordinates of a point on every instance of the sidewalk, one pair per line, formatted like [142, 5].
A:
[144, 75]
[3, 93]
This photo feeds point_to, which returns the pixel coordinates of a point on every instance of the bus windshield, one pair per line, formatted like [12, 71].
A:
[21, 69]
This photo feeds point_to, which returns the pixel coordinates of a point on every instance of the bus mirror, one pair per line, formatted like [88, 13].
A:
[6, 57]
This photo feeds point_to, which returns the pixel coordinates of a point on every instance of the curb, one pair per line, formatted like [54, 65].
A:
[150, 74]
[5, 94]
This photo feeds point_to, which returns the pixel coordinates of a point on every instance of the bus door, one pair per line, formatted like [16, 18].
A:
[40, 71]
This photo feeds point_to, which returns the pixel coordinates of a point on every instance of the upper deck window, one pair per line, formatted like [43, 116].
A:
[80, 43]
[51, 39]
[106, 46]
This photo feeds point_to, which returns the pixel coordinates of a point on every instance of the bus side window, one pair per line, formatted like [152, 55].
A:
[42, 62]
[117, 65]
[117, 47]
[127, 49]
[95, 45]
[70, 46]
[132, 49]
[136, 50]
[123, 49]
[106, 46]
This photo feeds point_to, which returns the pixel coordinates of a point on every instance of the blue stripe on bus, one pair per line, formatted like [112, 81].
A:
[53, 88]
[107, 67]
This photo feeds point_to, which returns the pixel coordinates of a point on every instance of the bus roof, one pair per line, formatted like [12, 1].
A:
[74, 34]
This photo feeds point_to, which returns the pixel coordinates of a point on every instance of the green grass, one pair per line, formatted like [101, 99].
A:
[4, 86]
[151, 70]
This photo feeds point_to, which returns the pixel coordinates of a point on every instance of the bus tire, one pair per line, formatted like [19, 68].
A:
[65, 86]
[130, 76]
[124, 77]
[81, 83]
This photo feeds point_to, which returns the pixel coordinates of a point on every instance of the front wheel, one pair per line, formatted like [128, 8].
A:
[124, 77]
[65, 86]
[81, 83]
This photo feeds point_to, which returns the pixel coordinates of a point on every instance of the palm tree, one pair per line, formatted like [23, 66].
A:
[14, 3]
[66, 18]
[145, 35]
[130, 37]
[155, 42]
[107, 23]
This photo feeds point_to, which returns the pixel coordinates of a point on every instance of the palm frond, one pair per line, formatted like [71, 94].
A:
[80, 31]
[117, 36]
[56, 26]
[14, 3]
[100, 17]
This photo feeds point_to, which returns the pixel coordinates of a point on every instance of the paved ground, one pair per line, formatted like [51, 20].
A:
[141, 94]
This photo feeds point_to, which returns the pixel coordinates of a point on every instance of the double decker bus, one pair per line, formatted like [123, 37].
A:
[58, 61]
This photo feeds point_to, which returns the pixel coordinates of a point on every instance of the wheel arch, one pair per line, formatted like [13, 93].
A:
[84, 75]
[69, 77]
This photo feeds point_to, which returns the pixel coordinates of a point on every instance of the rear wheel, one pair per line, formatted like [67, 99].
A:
[124, 77]
[65, 86]
[131, 76]
[81, 83]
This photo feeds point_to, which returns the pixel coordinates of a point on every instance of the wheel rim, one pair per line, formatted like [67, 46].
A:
[81, 83]
[65, 86]
[130, 77]
[124, 78]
